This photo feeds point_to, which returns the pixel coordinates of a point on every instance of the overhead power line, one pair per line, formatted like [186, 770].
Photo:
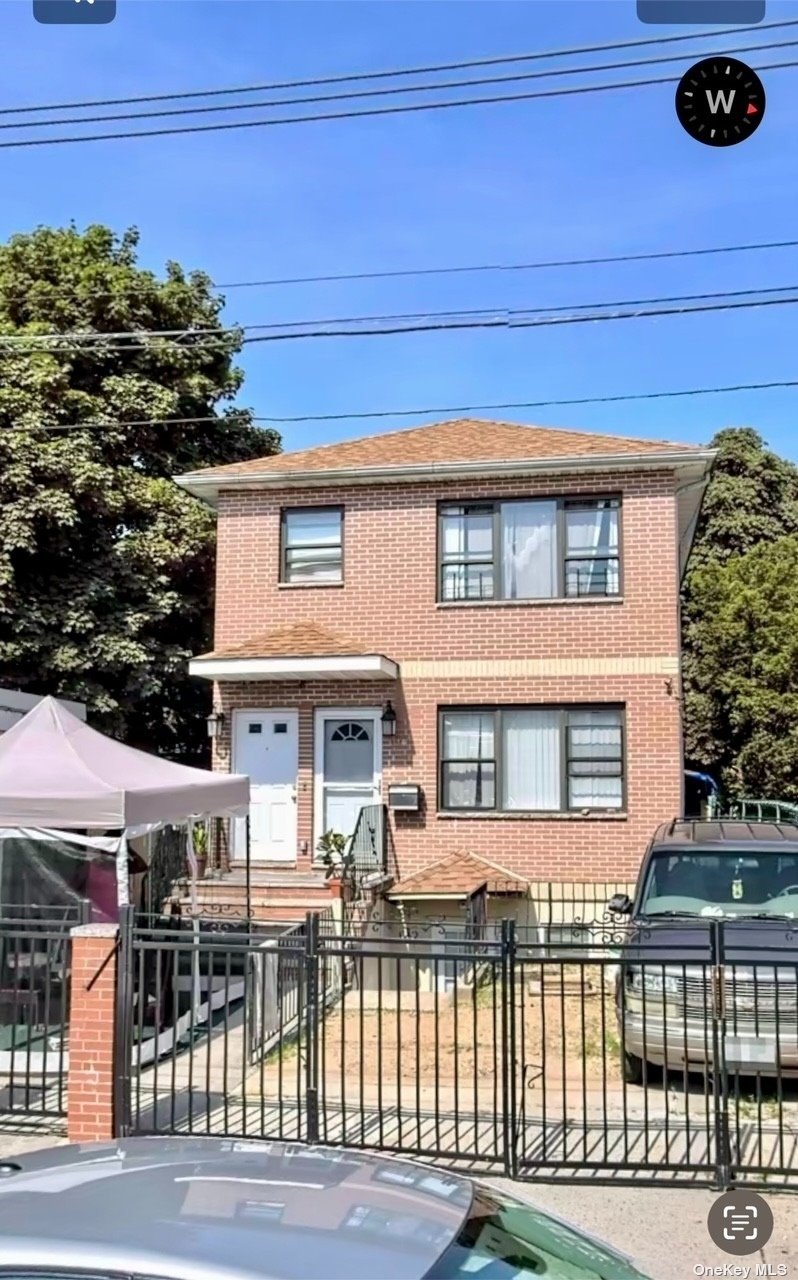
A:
[460, 269]
[366, 112]
[512, 313]
[524, 322]
[359, 415]
[433, 69]
[528, 404]
[434, 87]
[390, 326]
[506, 266]
[408, 322]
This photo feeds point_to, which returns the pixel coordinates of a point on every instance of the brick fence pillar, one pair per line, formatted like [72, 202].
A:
[92, 1025]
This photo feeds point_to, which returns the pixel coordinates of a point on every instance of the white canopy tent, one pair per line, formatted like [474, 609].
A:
[59, 775]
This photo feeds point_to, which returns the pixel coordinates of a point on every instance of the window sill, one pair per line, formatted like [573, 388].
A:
[307, 586]
[521, 815]
[534, 604]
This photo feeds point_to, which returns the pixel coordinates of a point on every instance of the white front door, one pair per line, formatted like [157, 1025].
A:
[266, 746]
[348, 754]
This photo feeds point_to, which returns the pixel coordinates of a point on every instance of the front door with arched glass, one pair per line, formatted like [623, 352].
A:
[348, 756]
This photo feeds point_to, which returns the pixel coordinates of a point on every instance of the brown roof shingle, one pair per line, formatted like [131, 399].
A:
[461, 440]
[300, 640]
[462, 874]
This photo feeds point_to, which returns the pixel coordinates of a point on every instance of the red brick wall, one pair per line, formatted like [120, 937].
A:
[388, 604]
[552, 847]
[388, 598]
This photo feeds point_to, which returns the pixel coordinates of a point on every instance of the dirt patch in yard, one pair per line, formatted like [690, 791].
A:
[567, 1032]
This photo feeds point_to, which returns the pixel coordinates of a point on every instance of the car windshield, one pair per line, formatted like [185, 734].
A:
[504, 1239]
[728, 883]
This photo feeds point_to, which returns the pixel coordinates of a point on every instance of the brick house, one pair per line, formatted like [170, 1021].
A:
[509, 593]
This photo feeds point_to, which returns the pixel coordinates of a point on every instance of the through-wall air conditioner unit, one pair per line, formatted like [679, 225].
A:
[406, 796]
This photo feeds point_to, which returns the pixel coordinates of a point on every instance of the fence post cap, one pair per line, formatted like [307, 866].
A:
[108, 930]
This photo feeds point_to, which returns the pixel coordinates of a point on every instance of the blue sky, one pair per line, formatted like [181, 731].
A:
[593, 175]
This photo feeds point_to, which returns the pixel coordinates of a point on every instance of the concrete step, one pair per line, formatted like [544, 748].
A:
[272, 880]
[280, 914]
[220, 890]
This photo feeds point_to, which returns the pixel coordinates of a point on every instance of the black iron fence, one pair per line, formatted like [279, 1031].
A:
[35, 967]
[369, 851]
[644, 1059]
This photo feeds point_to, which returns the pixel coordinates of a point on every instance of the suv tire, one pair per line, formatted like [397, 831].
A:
[633, 1068]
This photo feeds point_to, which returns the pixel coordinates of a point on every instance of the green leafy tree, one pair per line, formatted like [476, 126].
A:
[744, 710]
[106, 567]
[739, 621]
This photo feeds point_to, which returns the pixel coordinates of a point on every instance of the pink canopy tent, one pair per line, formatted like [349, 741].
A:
[58, 775]
[56, 771]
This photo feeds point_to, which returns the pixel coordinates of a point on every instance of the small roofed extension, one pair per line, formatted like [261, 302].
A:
[511, 591]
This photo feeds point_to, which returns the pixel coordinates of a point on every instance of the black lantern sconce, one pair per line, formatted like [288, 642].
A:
[215, 723]
[389, 721]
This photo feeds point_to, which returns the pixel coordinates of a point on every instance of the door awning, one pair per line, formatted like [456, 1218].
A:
[303, 651]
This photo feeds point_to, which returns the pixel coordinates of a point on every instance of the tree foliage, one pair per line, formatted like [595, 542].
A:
[106, 567]
[740, 622]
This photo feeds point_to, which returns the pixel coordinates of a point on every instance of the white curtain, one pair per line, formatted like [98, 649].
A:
[531, 760]
[596, 734]
[468, 737]
[592, 532]
[529, 550]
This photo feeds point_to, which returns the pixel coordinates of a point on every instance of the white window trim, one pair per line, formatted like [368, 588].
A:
[320, 715]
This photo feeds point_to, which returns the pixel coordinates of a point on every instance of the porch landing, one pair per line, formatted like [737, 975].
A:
[279, 895]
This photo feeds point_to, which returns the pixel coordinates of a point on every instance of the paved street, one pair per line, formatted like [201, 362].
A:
[662, 1228]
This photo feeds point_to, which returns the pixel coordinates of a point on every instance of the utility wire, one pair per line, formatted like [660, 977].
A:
[407, 413]
[393, 90]
[523, 323]
[403, 109]
[528, 404]
[544, 264]
[210, 338]
[352, 77]
[500, 266]
[512, 312]
[480, 320]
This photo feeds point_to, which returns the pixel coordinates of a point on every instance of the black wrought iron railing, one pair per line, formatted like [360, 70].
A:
[35, 972]
[369, 847]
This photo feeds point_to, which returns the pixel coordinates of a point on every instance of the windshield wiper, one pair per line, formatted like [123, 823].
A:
[767, 915]
[669, 915]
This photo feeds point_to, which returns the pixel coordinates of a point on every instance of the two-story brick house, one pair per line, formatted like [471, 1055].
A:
[509, 593]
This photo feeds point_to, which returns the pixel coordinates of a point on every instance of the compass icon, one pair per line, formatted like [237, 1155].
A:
[720, 101]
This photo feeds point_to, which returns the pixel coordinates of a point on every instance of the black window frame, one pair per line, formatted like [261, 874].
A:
[493, 508]
[566, 711]
[285, 514]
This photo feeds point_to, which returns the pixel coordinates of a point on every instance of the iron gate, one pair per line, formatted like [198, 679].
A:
[601, 1058]
[35, 969]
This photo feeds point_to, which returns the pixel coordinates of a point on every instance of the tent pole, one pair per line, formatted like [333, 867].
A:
[248, 874]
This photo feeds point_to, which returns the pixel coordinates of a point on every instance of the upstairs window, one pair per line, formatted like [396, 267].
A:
[530, 550]
[312, 545]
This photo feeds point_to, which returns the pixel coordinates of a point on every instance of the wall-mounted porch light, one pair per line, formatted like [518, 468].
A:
[389, 721]
[215, 723]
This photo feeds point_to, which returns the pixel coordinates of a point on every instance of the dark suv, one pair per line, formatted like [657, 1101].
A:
[710, 962]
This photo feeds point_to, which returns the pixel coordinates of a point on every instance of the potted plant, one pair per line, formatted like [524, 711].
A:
[336, 858]
[200, 837]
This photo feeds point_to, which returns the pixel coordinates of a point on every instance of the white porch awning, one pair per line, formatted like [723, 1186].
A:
[303, 651]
